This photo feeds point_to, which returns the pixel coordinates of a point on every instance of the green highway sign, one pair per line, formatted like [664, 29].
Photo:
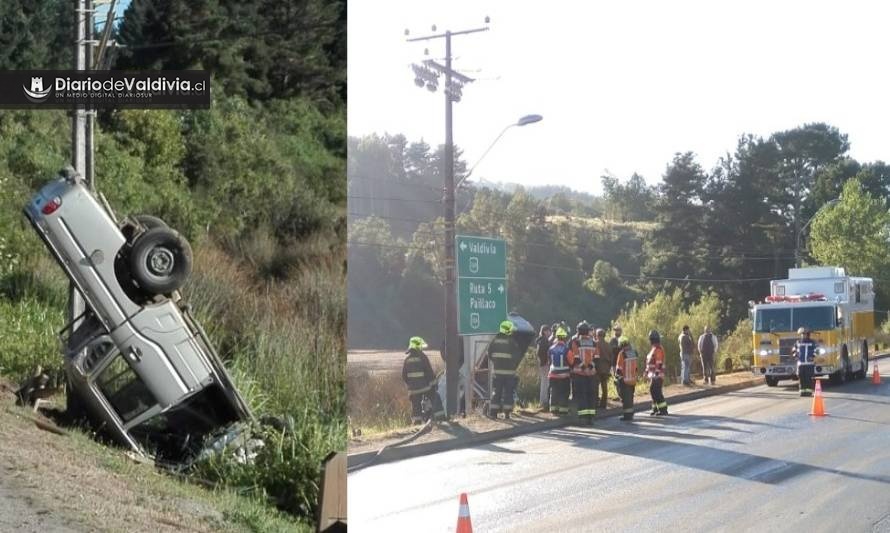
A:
[481, 257]
[481, 284]
[482, 305]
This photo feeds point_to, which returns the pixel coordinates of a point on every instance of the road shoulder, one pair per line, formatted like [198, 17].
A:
[476, 430]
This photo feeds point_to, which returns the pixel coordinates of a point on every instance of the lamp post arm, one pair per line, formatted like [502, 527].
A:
[485, 153]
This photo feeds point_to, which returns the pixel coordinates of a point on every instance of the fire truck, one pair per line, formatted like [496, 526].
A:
[837, 309]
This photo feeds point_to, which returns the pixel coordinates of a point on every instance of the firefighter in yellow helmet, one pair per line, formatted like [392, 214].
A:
[420, 379]
[503, 361]
[559, 373]
[626, 377]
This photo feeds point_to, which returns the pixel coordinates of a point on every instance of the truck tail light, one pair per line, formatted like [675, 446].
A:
[51, 206]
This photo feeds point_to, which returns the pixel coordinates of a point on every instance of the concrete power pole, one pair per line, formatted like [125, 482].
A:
[452, 342]
[82, 123]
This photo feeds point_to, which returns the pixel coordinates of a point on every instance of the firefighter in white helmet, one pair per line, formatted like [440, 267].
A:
[805, 352]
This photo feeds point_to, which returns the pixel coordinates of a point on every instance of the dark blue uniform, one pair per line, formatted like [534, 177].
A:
[806, 358]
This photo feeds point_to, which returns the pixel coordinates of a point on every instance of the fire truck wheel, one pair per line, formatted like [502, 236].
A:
[840, 377]
[863, 372]
[771, 381]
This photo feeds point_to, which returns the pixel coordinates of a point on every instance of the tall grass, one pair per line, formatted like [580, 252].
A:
[32, 311]
[378, 401]
[282, 334]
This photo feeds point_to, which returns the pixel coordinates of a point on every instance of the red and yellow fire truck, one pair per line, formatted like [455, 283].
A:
[837, 309]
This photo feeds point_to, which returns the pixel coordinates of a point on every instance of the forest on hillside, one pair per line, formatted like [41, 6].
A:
[256, 183]
[716, 234]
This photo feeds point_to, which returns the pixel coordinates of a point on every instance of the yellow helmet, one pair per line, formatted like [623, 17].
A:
[416, 343]
[506, 327]
[561, 333]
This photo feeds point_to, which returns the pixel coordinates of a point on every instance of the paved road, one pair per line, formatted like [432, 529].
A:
[751, 460]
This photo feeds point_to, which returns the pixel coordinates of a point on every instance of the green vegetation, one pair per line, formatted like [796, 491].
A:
[855, 232]
[255, 183]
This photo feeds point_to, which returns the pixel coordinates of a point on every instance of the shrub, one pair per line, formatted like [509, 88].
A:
[666, 314]
[735, 349]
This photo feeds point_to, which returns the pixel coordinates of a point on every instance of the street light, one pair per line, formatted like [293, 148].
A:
[800, 232]
[523, 121]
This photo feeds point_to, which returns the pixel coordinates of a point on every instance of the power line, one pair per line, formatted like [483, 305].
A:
[439, 233]
[580, 270]
[418, 200]
[383, 245]
[395, 182]
[401, 219]
[696, 280]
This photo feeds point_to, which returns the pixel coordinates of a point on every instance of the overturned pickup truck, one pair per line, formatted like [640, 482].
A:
[138, 361]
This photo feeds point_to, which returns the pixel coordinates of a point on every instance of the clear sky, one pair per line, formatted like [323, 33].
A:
[622, 86]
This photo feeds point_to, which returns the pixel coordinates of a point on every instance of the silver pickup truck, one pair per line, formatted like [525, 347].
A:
[141, 364]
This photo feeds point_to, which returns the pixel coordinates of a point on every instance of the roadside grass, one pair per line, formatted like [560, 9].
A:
[378, 402]
[249, 513]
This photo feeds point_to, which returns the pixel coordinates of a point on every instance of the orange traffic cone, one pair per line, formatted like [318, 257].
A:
[876, 376]
[818, 405]
[463, 517]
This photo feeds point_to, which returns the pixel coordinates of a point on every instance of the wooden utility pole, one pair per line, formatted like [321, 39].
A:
[452, 342]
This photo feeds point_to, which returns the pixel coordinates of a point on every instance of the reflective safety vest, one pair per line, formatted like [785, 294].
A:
[502, 357]
[806, 352]
[626, 366]
[581, 355]
[417, 372]
[559, 360]
[655, 362]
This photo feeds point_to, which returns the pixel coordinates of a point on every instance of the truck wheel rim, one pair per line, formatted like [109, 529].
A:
[160, 261]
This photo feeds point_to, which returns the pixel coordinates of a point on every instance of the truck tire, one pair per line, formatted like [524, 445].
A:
[160, 261]
[150, 221]
[840, 376]
[863, 371]
[771, 381]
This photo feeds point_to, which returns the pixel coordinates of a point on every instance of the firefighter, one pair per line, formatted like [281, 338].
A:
[626, 377]
[805, 352]
[504, 362]
[655, 371]
[418, 375]
[602, 361]
[559, 374]
[581, 354]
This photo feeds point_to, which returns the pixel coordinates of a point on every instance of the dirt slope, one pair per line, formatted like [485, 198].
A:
[64, 483]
